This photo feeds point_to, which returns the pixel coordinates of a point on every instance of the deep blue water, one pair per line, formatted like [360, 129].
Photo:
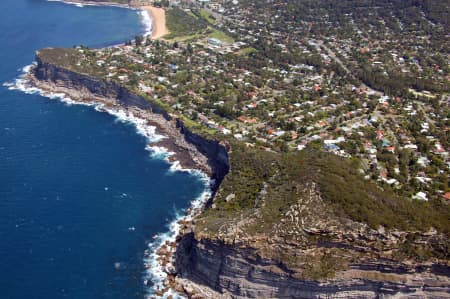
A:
[73, 180]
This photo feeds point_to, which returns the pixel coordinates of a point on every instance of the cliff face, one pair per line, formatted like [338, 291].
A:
[310, 253]
[238, 271]
[357, 262]
[63, 77]
[214, 153]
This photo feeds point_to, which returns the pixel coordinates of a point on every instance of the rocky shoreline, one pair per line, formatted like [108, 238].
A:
[191, 150]
[230, 266]
[187, 150]
[182, 152]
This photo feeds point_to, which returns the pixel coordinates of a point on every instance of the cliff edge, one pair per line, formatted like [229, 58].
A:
[281, 225]
[53, 73]
[312, 227]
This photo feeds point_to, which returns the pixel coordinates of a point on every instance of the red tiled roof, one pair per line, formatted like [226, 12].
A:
[447, 196]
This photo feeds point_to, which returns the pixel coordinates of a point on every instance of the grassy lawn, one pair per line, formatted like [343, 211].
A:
[207, 16]
[422, 94]
[221, 36]
[185, 26]
[181, 23]
[246, 51]
[183, 38]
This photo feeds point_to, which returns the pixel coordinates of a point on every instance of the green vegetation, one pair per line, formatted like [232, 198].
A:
[314, 267]
[192, 25]
[322, 266]
[205, 15]
[181, 23]
[220, 35]
[294, 78]
[340, 184]
[80, 60]
[246, 51]
[364, 201]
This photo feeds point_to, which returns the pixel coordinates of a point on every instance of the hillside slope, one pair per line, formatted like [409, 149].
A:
[308, 225]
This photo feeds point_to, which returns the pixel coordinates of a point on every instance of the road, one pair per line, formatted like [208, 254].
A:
[320, 45]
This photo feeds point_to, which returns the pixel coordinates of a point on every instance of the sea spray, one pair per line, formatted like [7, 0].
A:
[56, 161]
[147, 22]
[142, 128]
[145, 16]
[155, 274]
[81, 5]
[159, 152]
[68, 2]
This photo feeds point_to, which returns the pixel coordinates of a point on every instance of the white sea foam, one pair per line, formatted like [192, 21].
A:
[27, 68]
[155, 272]
[159, 152]
[69, 2]
[22, 84]
[176, 166]
[141, 125]
[145, 16]
[142, 128]
[147, 22]
[77, 4]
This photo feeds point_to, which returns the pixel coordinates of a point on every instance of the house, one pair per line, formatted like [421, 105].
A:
[214, 42]
[447, 196]
[331, 147]
[247, 120]
[173, 67]
[385, 142]
[421, 196]
[410, 146]
[391, 181]
[391, 149]
[380, 134]
[423, 161]
[301, 147]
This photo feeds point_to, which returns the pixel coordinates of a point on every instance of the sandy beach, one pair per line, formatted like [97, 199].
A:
[157, 14]
[159, 21]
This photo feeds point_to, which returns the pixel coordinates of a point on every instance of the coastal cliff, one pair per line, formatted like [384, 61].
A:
[292, 240]
[238, 271]
[241, 271]
[249, 245]
[191, 149]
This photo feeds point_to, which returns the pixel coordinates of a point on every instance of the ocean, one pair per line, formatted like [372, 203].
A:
[81, 195]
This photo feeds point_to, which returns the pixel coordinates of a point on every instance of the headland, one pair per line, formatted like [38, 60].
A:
[285, 220]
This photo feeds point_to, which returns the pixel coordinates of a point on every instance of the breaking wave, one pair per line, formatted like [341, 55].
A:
[155, 273]
[147, 22]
